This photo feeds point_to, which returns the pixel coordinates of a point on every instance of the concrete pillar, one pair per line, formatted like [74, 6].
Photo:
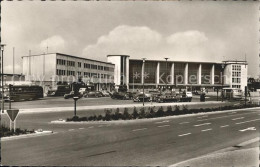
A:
[172, 74]
[199, 75]
[212, 74]
[186, 73]
[127, 72]
[158, 73]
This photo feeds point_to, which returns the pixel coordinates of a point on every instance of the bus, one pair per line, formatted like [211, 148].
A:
[24, 92]
[232, 93]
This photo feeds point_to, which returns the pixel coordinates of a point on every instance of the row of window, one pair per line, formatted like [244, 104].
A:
[236, 74]
[236, 67]
[85, 65]
[236, 86]
[236, 80]
[86, 74]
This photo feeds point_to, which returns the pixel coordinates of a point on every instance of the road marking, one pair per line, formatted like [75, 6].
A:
[184, 122]
[225, 116]
[162, 126]
[100, 126]
[247, 121]
[184, 134]
[81, 128]
[250, 128]
[238, 118]
[232, 112]
[139, 129]
[91, 127]
[224, 126]
[205, 130]
[162, 122]
[203, 116]
[71, 129]
[202, 124]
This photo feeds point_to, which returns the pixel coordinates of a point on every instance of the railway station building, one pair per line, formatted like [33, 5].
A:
[159, 74]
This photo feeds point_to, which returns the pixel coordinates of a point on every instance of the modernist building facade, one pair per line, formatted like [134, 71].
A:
[52, 68]
[159, 74]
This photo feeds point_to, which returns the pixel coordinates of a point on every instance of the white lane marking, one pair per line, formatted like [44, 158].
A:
[185, 134]
[81, 128]
[139, 129]
[203, 116]
[232, 112]
[184, 122]
[100, 126]
[162, 122]
[91, 127]
[247, 121]
[205, 130]
[202, 124]
[224, 126]
[225, 116]
[162, 126]
[71, 129]
[238, 118]
[250, 128]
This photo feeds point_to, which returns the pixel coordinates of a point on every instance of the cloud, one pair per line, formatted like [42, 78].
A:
[55, 44]
[142, 41]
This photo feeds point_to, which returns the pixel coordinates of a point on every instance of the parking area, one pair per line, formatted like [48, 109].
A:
[49, 102]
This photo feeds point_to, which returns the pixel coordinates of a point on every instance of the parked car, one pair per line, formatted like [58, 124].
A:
[141, 97]
[93, 94]
[167, 97]
[106, 93]
[72, 94]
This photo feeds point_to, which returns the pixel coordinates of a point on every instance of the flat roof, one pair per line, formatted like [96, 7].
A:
[177, 61]
[118, 55]
[71, 56]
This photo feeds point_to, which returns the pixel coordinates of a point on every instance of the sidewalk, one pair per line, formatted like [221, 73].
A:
[69, 109]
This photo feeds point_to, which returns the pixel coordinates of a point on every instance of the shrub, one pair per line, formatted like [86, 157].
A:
[108, 115]
[142, 113]
[135, 113]
[100, 117]
[117, 115]
[177, 110]
[169, 110]
[160, 112]
[185, 109]
[75, 118]
[126, 115]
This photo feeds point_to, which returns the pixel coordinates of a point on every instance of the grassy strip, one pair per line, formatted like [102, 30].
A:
[153, 113]
[5, 131]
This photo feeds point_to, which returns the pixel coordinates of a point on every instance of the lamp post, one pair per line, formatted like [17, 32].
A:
[75, 98]
[2, 77]
[143, 78]
[222, 93]
[166, 73]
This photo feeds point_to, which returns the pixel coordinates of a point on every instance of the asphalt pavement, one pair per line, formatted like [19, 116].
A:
[162, 141]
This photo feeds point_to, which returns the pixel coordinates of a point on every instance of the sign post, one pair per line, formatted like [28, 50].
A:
[12, 113]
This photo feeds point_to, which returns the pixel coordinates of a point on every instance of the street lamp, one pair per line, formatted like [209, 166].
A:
[143, 78]
[222, 93]
[166, 73]
[2, 77]
[75, 98]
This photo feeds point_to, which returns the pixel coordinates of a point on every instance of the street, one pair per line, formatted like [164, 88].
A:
[161, 141]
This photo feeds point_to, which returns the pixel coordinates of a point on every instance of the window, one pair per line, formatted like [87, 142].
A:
[86, 65]
[93, 66]
[100, 67]
[79, 64]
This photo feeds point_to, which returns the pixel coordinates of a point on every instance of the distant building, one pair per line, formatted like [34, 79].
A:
[52, 68]
[157, 74]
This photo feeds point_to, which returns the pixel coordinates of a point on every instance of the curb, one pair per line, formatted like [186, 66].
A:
[26, 135]
[148, 119]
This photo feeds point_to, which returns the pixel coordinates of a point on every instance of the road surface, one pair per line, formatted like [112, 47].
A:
[163, 141]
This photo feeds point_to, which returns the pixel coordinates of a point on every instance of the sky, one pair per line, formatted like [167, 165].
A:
[179, 30]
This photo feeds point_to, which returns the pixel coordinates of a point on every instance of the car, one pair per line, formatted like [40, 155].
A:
[167, 97]
[72, 94]
[105, 93]
[93, 94]
[141, 97]
[188, 94]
